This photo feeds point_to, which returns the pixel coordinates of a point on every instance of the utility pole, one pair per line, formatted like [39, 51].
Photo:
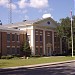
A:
[10, 11]
[72, 33]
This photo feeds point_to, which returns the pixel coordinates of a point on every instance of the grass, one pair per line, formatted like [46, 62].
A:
[31, 61]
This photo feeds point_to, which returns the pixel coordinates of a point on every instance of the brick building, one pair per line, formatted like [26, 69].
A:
[42, 36]
[10, 40]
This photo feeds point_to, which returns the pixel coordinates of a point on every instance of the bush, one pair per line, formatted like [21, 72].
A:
[3, 57]
[35, 56]
[7, 57]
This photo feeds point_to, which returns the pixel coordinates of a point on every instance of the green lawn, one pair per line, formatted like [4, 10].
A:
[31, 61]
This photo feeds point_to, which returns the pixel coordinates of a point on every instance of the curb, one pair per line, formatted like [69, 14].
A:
[30, 66]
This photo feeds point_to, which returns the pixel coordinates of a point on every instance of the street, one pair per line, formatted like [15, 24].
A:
[57, 69]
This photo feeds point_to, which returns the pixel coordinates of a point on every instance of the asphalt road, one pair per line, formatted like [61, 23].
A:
[58, 69]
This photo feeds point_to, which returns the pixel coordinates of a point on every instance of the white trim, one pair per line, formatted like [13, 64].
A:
[33, 41]
[8, 46]
[13, 46]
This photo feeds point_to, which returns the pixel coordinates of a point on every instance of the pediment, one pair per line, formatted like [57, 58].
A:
[48, 22]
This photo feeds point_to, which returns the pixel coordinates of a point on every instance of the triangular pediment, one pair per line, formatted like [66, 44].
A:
[47, 22]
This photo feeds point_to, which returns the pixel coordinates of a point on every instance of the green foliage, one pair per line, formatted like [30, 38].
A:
[65, 30]
[3, 57]
[26, 49]
[60, 31]
[7, 57]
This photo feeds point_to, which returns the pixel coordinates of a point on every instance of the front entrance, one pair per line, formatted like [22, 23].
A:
[48, 49]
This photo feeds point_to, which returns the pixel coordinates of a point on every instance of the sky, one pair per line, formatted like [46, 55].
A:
[35, 9]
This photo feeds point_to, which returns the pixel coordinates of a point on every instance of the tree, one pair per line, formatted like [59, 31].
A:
[64, 30]
[26, 51]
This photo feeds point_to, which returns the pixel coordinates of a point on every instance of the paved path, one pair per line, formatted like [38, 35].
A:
[49, 69]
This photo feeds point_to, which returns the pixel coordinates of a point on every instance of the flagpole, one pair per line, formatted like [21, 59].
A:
[72, 33]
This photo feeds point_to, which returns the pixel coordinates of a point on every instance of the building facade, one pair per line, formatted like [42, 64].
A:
[41, 34]
[10, 41]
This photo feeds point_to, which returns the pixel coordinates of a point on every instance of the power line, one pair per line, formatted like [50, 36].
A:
[10, 11]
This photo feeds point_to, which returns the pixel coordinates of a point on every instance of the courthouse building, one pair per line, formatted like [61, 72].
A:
[41, 33]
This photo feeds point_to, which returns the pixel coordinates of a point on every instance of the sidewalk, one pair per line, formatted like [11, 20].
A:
[29, 66]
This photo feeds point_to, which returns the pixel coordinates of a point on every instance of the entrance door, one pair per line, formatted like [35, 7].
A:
[49, 51]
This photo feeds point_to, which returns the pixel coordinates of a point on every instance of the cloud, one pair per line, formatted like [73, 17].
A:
[13, 6]
[23, 3]
[5, 3]
[39, 3]
[33, 3]
[47, 15]
[21, 11]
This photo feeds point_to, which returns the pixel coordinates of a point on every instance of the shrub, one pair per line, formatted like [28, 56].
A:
[3, 57]
[9, 57]
[35, 56]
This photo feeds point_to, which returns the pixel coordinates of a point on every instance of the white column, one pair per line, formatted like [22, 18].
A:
[33, 41]
[44, 41]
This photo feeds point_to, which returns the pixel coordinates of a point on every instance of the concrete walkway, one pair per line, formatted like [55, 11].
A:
[29, 66]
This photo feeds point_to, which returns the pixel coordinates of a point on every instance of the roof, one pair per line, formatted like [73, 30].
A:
[8, 29]
[28, 22]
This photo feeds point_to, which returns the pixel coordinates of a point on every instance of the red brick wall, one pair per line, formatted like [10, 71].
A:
[14, 43]
[22, 38]
[38, 42]
[56, 43]
[4, 50]
[0, 42]
[48, 40]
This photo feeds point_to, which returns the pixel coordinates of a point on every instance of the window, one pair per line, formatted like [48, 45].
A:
[36, 51]
[13, 37]
[17, 37]
[8, 37]
[55, 39]
[8, 43]
[36, 37]
[41, 38]
[13, 50]
[18, 50]
[8, 51]
[40, 51]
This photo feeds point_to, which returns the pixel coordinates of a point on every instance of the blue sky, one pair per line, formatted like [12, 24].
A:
[35, 9]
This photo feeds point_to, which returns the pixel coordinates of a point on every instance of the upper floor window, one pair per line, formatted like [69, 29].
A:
[17, 37]
[36, 37]
[8, 37]
[13, 37]
[41, 38]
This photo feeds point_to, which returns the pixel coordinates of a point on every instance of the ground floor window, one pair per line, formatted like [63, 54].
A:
[41, 51]
[18, 50]
[8, 51]
[13, 50]
[36, 51]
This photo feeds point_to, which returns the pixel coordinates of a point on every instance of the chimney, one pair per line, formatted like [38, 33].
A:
[0, 22]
